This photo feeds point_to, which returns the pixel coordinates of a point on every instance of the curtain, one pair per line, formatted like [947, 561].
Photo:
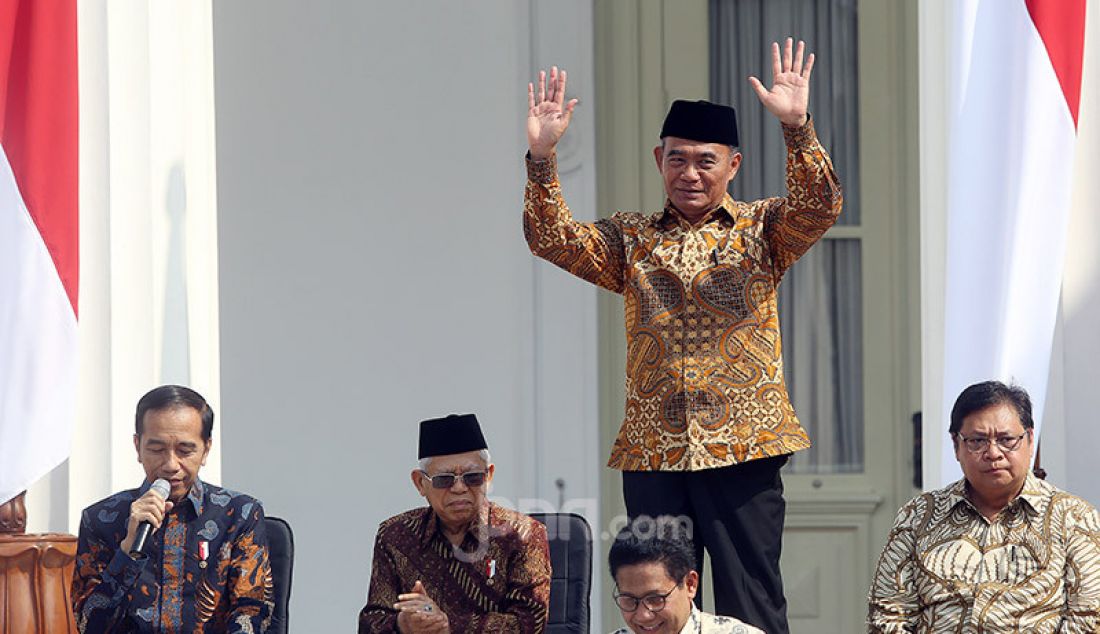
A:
[821, 297]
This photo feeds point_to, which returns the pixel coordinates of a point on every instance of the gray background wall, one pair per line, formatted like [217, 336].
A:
[373, 271]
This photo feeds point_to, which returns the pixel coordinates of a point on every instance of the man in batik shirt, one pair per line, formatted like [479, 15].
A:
[204, 569]
[461, 564]
[653, 564]
[999, 550]
[708, 420]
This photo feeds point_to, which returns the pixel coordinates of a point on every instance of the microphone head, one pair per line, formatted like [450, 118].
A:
[162, 488]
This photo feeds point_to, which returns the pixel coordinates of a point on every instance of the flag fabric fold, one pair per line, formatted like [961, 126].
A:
[1014, 101]
[39, 238]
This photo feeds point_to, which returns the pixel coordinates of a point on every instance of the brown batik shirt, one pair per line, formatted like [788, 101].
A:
[497, 580]
[946, 568]
[704, 370]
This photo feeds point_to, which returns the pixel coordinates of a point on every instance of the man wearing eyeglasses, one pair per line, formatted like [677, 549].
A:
[999, 550]
[461, 564]
[653, 564]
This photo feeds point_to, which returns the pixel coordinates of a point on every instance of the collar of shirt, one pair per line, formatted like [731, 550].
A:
[195, 495]
[1033, 497]
[694, 623]
[429, 529]
[671, 216]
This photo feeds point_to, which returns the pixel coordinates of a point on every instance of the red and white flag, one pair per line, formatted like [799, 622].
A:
[1015, 97]
[39, 238]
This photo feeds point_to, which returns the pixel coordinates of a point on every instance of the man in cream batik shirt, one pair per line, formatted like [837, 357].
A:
[999, 550]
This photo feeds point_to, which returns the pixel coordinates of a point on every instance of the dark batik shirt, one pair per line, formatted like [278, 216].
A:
[206, 569]
[498, 584]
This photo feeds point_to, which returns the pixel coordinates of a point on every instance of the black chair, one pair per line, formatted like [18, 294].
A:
[571, 580]
[280, 546]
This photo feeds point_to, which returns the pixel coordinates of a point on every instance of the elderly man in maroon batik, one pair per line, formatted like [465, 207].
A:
[461, 564]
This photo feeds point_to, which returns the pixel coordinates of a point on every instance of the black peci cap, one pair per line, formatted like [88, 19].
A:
[701, 121]
[457, 433]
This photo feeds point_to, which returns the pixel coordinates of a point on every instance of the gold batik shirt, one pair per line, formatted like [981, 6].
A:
[704, 373]
[946, 568]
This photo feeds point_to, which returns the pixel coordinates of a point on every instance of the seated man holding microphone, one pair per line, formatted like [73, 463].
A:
[176, 554]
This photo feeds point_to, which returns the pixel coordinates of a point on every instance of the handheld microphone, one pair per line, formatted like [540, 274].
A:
[161, 488]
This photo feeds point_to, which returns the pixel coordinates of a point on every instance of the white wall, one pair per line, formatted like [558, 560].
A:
[373, 271]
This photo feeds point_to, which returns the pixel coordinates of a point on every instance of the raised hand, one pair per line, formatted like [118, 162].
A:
[789, 96]
[548, 113]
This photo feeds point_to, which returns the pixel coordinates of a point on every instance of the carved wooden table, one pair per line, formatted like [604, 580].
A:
[36, 573]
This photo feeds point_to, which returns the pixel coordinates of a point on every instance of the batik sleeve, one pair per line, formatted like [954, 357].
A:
[378, 615]
[250, 587]
[1082, 575]
[108, 584]
[813, 202]
[893, 603]
[592, 251]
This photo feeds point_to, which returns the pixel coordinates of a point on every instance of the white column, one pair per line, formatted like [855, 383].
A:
[565, 343]
[934, 71]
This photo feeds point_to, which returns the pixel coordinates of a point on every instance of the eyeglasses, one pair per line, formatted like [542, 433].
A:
[978, 444]
[447, 480]
[652, 602]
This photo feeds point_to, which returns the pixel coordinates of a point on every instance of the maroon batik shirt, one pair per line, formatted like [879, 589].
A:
[497, 580]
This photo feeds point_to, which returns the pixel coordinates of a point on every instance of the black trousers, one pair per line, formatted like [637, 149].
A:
[736, 514]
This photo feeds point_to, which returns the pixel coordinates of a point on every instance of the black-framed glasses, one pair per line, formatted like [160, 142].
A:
[978, 444]
[652, 602]
[447, 480]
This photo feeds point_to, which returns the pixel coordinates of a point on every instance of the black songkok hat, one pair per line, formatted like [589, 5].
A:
[701, 121]
[457, 433]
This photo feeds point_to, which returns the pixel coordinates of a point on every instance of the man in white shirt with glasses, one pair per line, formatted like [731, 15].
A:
[653, 564]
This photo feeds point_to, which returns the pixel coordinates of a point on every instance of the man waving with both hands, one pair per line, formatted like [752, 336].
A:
[708, 421]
